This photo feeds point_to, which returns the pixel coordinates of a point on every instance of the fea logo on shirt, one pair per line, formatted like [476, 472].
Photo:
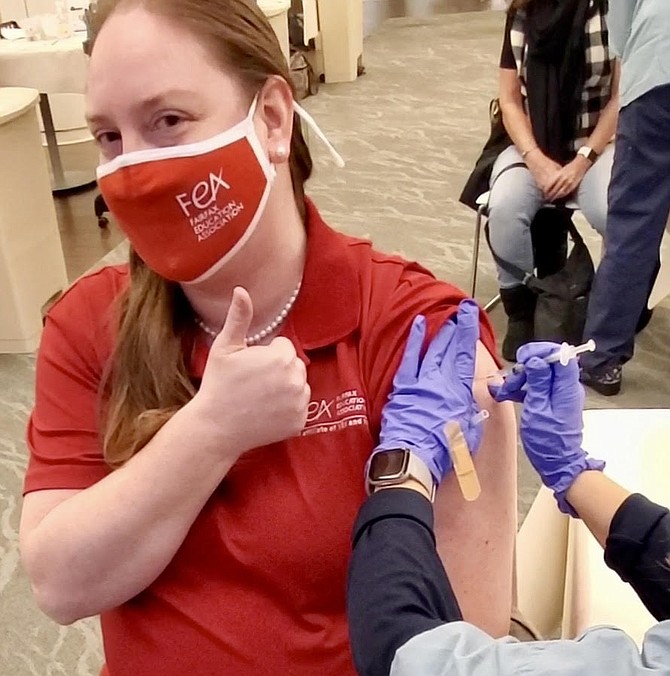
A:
[348, 409]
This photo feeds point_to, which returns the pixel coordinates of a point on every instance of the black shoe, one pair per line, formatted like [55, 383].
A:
[606, 382]
[644, 319]
[519, 304]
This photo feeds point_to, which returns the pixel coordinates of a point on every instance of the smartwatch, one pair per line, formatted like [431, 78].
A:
[394, 466]
[589, 153]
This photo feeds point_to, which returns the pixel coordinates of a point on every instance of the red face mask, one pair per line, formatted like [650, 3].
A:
[189, 209]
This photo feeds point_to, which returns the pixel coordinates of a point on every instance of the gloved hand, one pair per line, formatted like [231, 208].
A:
[551, 419]
[427, 394]
[512, 388]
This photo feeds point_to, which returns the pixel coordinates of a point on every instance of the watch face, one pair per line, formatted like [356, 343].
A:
[389, 465]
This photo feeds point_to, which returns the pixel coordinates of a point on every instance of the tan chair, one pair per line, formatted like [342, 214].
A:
[541, 555]
[32, 269]
[341, 38]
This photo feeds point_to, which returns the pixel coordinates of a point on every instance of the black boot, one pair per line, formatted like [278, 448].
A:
[519, 304]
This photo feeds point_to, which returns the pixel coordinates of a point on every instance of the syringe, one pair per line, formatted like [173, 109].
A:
[563, 355]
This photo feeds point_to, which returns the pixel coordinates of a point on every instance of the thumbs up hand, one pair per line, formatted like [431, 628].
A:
[251, 396]
[238, 321]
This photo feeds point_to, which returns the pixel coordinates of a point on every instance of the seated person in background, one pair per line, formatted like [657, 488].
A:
[197, 490]
[403, 613]
[559, 103]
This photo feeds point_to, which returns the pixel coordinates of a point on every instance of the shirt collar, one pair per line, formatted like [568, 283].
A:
[328, 306]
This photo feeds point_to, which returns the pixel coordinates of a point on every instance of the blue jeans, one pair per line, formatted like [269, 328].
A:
[639, 203]
[516, 199]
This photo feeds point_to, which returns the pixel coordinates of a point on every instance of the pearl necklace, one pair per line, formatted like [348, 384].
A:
[267, 331]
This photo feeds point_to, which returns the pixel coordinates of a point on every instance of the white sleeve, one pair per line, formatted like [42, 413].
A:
[460, 649]
[619, 24]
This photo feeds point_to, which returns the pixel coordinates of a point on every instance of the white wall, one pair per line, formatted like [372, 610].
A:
[15, 10]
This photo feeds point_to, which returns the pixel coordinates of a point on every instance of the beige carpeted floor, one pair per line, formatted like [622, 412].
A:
[410, 130]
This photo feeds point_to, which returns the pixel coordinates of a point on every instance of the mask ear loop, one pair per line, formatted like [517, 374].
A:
[311, 123]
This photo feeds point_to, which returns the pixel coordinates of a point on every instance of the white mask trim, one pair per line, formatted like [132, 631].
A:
[239, 131]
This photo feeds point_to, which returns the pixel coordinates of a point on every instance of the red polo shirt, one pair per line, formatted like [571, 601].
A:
[258, 586]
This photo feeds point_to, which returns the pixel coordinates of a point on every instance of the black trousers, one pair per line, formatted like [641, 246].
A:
[639, 203]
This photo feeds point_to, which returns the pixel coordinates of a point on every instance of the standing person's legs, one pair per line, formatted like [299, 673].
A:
[592, 198]
[639, 202]
[514, 202]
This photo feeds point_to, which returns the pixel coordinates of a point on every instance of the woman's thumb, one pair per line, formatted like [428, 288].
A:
[238, 320]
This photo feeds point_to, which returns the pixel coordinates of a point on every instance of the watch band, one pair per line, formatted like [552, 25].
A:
[413, 468]
[589, 153]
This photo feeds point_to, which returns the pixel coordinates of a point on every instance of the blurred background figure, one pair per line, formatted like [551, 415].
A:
[639, 196]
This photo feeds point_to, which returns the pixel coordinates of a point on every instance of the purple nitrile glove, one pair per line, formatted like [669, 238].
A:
[512, 387]
[429, 393]
[551, 419]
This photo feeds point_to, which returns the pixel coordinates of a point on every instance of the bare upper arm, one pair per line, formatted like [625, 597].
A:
[499, 443]
[486, 366]
[509, 88]
[616, 81]
[476, 539]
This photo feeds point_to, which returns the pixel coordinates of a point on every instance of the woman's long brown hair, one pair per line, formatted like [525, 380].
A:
[147, 381]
